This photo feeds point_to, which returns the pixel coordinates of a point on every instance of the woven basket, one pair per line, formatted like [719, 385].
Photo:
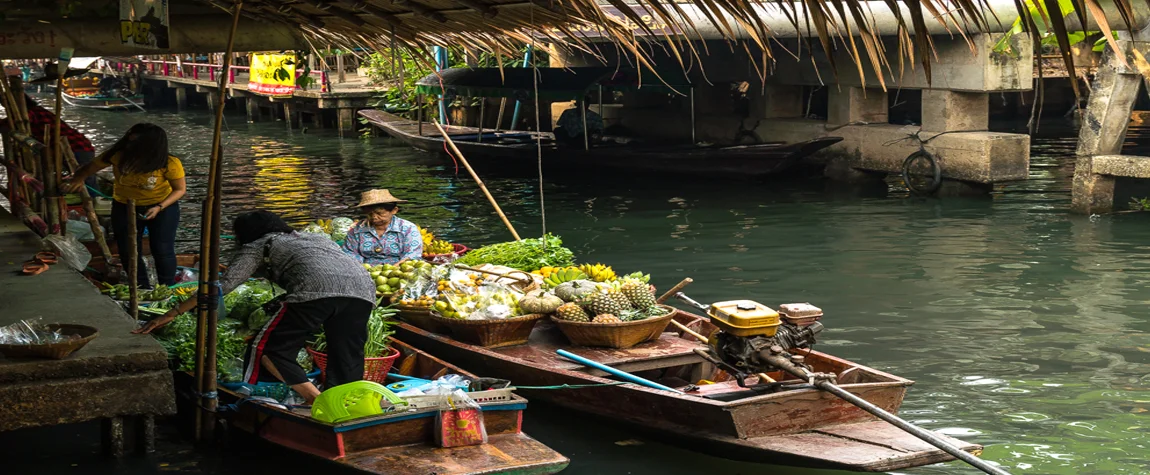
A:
[421, 317]
[456, 251]
[616, 335]
[491, 333]
[374, 369]
[57, 351]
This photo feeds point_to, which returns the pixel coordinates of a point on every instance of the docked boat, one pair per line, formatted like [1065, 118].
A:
[500, 147]
[91, 91]
[797, 425]
[401, 443]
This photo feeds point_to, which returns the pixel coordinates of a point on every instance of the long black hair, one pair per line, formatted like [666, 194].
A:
[253, 225]
[142, 149]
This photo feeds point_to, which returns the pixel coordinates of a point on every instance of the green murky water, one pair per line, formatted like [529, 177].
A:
[1025, 327]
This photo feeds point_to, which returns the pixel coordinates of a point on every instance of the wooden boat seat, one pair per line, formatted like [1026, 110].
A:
[668, 351]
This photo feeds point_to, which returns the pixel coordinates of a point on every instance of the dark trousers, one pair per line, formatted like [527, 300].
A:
[83, 158]
[344, 321]
[162, 237]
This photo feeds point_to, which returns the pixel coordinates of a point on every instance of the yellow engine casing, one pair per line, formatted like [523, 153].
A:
[744, 318]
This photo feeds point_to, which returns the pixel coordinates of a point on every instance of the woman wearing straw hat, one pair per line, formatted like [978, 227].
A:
[382, 237]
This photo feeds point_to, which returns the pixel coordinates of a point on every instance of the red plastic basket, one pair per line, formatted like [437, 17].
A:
[374, 369]
[456, 249]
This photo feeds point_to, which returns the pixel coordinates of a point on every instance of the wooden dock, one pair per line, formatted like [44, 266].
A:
[118, 377]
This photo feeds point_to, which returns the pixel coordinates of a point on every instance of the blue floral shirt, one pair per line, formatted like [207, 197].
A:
[400, 242]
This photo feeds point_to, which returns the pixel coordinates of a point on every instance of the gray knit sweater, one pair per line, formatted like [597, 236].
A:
[309, 266]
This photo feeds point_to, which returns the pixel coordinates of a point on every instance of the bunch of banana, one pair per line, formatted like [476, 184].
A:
[184, 291]
[598, 272]
[558, 276]
[325, 224]
[426, 236]
[437, 246]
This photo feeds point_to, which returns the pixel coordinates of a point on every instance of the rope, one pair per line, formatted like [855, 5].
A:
[539, 132]
[572, 386]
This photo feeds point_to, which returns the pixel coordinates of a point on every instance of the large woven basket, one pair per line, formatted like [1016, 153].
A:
[421, 317]
[491, 333]
[57, 351]
[616, 335]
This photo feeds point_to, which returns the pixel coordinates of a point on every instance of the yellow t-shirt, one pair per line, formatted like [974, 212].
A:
[146, 188]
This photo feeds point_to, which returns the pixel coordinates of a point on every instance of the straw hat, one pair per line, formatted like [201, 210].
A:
[377, 197]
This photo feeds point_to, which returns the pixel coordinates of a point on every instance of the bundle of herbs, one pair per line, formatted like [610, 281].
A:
[526, 255]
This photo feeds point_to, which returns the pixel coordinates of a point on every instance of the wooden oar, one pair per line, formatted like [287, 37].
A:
[676, 289]
[477, 181]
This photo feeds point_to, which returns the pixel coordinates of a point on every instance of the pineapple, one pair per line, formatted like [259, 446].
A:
[632, 315]
[572, 312]
[639, 294]
[602, 302]
[606, 318]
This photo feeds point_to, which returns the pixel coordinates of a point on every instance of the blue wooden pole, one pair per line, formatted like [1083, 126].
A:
[515, 115]
[441, 64]
[628, 376]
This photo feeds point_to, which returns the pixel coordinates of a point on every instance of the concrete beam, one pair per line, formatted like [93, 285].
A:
[944, 111]
[188, 33]
[956, 67]
[847, 105]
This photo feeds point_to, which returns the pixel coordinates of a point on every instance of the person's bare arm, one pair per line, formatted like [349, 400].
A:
[73, 183]
[179, 189]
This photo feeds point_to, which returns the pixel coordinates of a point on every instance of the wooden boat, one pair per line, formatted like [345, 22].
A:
[87, 91]
[561, 84]
[802, 427]
[750, 161]
[401, 443]
[135, 101]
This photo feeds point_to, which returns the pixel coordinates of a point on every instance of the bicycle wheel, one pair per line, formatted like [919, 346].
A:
[921, 173]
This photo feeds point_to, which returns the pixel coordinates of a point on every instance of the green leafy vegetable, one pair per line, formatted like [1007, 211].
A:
[526, 255]
[179, 339]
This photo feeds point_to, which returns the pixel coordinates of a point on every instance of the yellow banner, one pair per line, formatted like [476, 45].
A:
[272, 74]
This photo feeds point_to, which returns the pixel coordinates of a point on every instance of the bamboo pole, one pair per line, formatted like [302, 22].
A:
[209, 261]
[89, 206]
[54, 160]
[477, 181]
[133, 256]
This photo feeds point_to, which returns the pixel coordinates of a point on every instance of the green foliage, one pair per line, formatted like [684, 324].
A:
[1039, 14]
[1140, 204]
[526, 255]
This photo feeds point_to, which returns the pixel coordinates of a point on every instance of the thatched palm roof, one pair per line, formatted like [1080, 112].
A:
[501, 25]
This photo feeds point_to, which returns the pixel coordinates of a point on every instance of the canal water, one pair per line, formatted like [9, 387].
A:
[1025, 327]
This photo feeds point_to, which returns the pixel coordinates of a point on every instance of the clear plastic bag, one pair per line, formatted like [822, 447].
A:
[459, 421]
[70, 250]
[31, 332]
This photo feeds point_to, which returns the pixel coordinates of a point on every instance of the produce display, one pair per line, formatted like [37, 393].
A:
[160, 292]
[335, 228]
[526, 255]
[631, 300]
[391, 278]
[379, 331]
[437, 246]
[466, 295]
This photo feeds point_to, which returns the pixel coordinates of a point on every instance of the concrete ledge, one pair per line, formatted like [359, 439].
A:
[980, 157]
[1121, 165]
[116, 374]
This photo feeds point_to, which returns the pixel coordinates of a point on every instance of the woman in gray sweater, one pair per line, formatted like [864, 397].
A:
[325, 288]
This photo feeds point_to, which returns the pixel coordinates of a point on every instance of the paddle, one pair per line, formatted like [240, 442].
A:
[622, 374]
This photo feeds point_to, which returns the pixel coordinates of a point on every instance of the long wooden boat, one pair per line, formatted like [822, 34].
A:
[801, 427]
[401, 443]
[103, 102]
[502, 148]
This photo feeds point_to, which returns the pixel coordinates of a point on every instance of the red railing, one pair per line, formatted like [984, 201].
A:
[196, 70]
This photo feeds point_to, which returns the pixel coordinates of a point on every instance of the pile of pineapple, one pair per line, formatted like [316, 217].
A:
[624, 300]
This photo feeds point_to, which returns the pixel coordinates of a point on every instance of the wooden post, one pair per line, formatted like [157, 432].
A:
[499, 117]
[482, 102]
[53, 174]
[89, 207]
[133, 257]
[342, 74]
[208, 311]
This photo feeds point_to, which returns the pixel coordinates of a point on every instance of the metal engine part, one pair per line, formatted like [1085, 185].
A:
[749, 355]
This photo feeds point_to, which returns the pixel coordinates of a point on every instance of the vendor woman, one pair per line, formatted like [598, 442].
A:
[382, 237]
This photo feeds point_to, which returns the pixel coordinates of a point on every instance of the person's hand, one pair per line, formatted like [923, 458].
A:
[155, 323]
[70, 185]
[152, 212]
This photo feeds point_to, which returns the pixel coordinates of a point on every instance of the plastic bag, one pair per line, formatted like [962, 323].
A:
[187, 274]
[81, 229]
[70, 250]
[31, 332]
[459, 421]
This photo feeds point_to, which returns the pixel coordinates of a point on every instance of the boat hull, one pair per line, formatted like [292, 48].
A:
[781, 428]
[748, 161]
[106, 103]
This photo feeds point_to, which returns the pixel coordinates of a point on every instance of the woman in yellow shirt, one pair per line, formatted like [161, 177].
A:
[145, 172]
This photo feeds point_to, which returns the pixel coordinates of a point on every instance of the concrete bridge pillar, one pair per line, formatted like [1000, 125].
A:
[781, 101]
[944, 110]
[213, 99]
[856, 105]
[181, 98]
[252, 105]
[1103, 130]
